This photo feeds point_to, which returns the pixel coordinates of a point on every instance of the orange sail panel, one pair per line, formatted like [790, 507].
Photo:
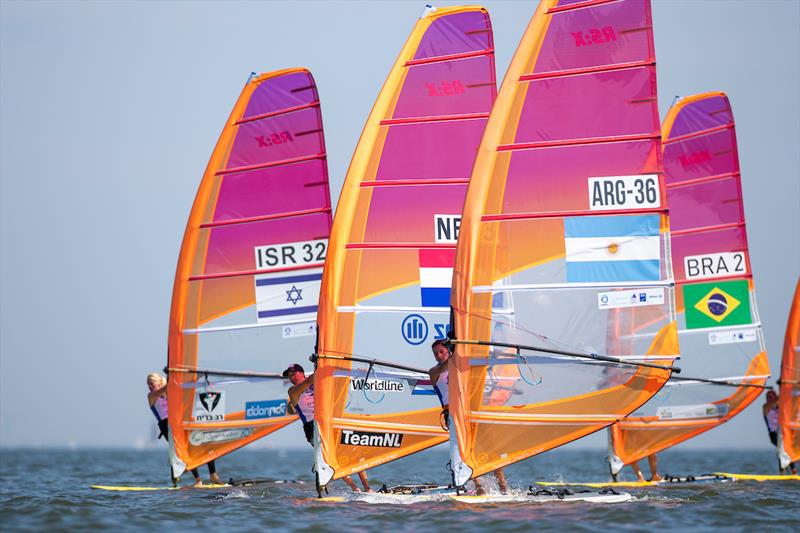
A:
[789, 396]
[385, 290]
[563, 248]
[719, 330]
[247, 284]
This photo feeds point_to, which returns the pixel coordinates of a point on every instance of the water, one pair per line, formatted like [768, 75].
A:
[49, 489]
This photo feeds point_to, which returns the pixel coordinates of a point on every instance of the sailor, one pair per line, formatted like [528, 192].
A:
[157, 398]
[653, 462]
[770, 411]
[439, 380]
[301, 401]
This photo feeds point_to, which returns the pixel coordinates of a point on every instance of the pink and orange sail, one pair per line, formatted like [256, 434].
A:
[246, 288]
[789, 396]
[385, 290]
[563, 280]
[723, 357]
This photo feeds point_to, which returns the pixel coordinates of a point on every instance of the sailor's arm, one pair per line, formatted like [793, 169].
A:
[296, 390]
[153, 396]
[436, 371]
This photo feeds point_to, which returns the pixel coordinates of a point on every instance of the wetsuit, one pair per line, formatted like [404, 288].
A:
[771, 419]
[305, 410]
[440, 388]
[160, 411]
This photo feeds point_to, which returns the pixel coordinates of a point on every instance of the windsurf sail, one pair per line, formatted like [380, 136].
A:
[789, 395]
[723, 356]
[564, 244]
[247, 284]
[385, 290]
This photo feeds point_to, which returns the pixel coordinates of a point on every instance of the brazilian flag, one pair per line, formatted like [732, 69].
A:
[711, 305]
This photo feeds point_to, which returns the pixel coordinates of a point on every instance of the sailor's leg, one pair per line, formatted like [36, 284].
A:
[364, 481]
[635, 468]
[501, 480]
[212, 473]
[653, 461]
[349, 483]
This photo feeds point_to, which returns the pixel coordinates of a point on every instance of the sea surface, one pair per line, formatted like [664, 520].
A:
[50, 490]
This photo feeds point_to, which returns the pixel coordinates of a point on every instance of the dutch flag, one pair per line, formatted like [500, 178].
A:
[436, 276]
[613, 248]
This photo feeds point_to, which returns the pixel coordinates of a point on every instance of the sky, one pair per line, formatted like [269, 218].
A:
[109, 112]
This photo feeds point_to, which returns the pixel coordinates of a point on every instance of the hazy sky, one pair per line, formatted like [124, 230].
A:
[108, 115]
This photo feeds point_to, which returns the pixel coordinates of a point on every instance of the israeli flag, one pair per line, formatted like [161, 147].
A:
[284, 298]
[612, 248]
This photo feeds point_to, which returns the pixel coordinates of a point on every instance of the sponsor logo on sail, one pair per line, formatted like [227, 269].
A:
[368, 438]
[265, 409]
[618, 299]
[209, 406]
[414, 329]
[196, 438]
[379, 385]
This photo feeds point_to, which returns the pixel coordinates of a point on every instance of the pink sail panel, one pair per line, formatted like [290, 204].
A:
[384, 295]
[563, 245]
[246, 287]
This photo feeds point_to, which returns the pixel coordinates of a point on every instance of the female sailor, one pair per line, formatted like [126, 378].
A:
[157, 398]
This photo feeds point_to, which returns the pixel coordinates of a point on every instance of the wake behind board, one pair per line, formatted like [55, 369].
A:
[760, 477]
[433, 493]
[232, 483]
[403, 494]
[549, 496]
[667, 481]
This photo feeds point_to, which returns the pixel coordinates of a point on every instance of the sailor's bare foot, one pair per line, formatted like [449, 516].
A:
[480, 491]
[215, 480]
[198, 482]
[639, 477]
[656, 477]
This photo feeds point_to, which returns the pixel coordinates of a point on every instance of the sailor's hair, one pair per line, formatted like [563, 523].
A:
[438, 342]
[155, 376]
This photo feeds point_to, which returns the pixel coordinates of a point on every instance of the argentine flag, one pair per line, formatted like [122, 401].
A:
[612, 248]
[436, 276]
